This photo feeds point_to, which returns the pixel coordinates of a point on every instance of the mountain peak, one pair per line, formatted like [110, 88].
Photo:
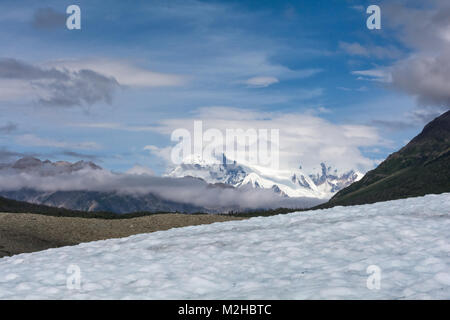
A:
[84, 164]
[27, 162]
[438, 129]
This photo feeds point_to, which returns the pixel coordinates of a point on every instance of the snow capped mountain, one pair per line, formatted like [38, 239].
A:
[322, 184]
[330, 181]
[210, 171]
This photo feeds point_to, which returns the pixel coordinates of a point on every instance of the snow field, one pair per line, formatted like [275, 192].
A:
[322, 254]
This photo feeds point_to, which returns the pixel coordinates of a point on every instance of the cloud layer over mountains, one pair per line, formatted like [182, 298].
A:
[45, 176]
[305, 139]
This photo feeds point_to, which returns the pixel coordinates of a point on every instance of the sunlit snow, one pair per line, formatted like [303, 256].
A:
[304, 255]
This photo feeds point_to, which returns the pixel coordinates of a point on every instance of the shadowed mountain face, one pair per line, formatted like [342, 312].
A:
[419, 168]
[94, 201]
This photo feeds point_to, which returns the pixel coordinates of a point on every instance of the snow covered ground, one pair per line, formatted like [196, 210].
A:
[316, 254]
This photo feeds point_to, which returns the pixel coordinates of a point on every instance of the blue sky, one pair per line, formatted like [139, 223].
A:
[160, 64]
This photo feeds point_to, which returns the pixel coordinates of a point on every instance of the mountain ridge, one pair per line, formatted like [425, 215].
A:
[420, 167]
[290, 183]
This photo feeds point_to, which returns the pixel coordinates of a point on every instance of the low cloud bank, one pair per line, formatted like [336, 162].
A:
[85, 176]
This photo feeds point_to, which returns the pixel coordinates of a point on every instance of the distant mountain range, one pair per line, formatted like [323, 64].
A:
[323, 183]
[421, 167]
[192, 187]
[48, 167]
[82, 200]
[85, 186]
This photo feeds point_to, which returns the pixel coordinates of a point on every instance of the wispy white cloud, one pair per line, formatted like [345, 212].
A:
[359, 89]
[380, 52]
[113, 126]
[35, 141]
[163, 153]
[140, 170]
[260, 82]
[379, 75]
[359, 8]
[125, 72]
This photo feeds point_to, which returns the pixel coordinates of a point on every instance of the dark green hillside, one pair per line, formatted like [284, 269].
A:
[9, 205]
[419, 168]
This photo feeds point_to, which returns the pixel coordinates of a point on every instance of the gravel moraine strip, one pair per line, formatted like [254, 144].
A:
[23, 232]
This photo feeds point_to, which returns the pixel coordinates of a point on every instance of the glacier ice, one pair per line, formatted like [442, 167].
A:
[321, 254]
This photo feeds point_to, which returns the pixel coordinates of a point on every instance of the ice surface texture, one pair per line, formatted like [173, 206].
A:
[321, 254]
